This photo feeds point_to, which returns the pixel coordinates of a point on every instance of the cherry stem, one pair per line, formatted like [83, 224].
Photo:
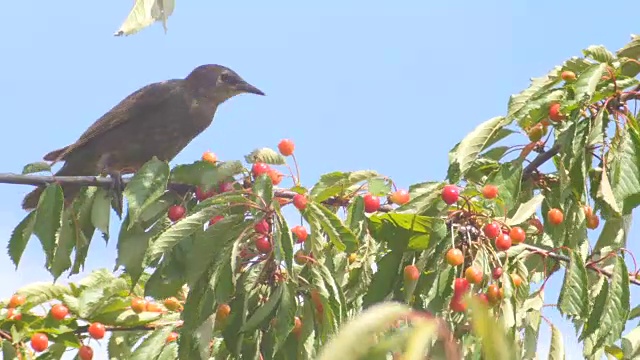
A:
[295, 163]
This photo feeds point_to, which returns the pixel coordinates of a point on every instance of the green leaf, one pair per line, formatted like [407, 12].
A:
[525, 210]
[624, 167]
[265, 155]
[337, 183]
[145, 187]
[41, 292]
[133, 244]
[419, 230]
[599, 53]
[286, 314]
[574, 297]
[556, 351]
[384, 279]
[180, 230]
[585, 85]
[20, 237]
[264, 311]
[145, 13]
[632, 49]
[616, 308]
[285, 239]
[8, 351]
[379, 186]
[69, 234]
[605, 192]
[614, 234]
[101, 211]
[475, 142]
[520, 104]
[121, 343]
[36, 167]
[631, 343]
[152, 346]
[424, 196]
[49, 218]
[263, 189]
[339, 234]
[508, 180]
[214, 244]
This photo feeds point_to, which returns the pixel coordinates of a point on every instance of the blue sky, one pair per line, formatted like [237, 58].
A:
[357, 85]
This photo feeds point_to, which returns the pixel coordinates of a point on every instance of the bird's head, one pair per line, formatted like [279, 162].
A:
[218, 83]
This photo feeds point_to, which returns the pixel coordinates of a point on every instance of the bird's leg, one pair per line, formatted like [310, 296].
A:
[116, 189]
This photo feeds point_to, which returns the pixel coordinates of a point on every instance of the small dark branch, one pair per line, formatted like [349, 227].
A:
[5, 335]
[539, 160]
[565, 258]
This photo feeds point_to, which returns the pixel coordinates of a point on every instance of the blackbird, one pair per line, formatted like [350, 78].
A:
[159, 120]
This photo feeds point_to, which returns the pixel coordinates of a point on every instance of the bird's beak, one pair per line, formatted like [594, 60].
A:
[248, 88]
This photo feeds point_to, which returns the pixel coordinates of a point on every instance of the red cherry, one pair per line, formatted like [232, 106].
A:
[138, 305]
[85, 353]
[172, 304]
[593, 221]
[473, 275]
[411, 273]
[517, 235]
[371, 203]
[276, 176]
[202, 195]
[215, 219]
[517, 280]
[454, 257]
[490, 191]
[259, 168]
[300, 232]
[503, 242]
[261, 227]
[97, 330]
[400, 197]
[59, 311]
[39, 342]
[209, 156]
[483, 298]
[12, 315]
[286, 147]
[493, 294]
[300, 257]
[297, 326]
[223, 312]
[555, 216]
[224, 187]
[176, 212]
[263, 244]
[568, 76]
[491, 230]
[460, 286]
[17, 300]
[457, 305]
[450, 194]
[554, 112]
[300, 201]
[497, 272]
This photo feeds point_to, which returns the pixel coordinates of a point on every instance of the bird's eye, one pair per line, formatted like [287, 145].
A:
[225, 77]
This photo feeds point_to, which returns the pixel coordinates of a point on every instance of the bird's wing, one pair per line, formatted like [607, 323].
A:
[139, 102]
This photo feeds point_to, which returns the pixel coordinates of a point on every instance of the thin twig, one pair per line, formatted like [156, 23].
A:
[148, 327]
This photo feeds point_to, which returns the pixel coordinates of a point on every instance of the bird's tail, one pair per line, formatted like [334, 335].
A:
[70, 191]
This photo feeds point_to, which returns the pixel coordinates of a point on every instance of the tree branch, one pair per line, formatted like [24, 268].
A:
[149, 327]
[539, 160]
[7, 178]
